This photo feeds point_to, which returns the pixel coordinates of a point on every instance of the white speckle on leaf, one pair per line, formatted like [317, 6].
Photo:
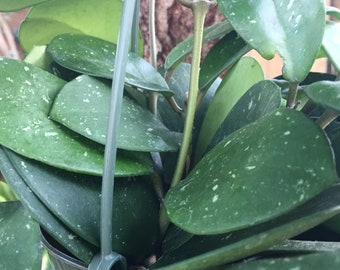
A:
[286, 133]
[249, 168]
[215, 198]
[215, 187]
[50, 134]
[26, 68]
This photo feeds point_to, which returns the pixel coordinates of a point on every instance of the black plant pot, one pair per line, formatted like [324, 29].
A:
[59, 258]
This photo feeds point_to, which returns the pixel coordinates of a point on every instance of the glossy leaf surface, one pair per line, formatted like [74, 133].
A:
[77, 246]
[183, 49]
[331, 43]
[75, 200]
[202, 252]
[10, 5]
[317, 261]
[229, 189]
[54, 17]
[325, 93]
[271, 26]
[231, 89]
[19, 238]
[221, 56]
[83, 105]
[260, 100]
[26, 95]
[93, 56]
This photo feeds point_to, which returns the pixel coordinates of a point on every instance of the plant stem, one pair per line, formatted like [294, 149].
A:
[199, 9]
[326, 118]
[291, 99]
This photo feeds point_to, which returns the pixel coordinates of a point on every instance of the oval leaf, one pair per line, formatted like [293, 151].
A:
[331, 43]
[26, 95]
[294, 29]
[325, 93]
[202, 252]
[19, 238]
[75, 199]
[231, 89]
[260, 100]
[51, 18]
[83, 105]
[229, 188]
[94, 56]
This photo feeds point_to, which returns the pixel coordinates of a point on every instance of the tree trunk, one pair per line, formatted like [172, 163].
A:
[174, 23]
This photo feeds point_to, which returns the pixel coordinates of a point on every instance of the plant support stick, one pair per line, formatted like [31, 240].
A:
[199, 9]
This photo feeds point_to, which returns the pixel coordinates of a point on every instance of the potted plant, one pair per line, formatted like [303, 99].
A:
[212, 171]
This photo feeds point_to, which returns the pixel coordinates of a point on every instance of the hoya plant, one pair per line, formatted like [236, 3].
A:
[216, 166]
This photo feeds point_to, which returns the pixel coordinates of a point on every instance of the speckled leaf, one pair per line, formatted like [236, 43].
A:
[226, 52]
[248, 178]
[72, 243]
[183, 49]
[316, 261]
[74, 199]
[331, 43]
[93, 56]
[54, 17]
[202, 252]
[260, 100]
[238, 80]
[325, 93]
[10, 5]
[83, 106]
[26, 95]
[19, 238]
[294, 29]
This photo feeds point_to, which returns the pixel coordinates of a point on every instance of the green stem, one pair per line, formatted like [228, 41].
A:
[199, 10]
[326, 118]
[291, 99]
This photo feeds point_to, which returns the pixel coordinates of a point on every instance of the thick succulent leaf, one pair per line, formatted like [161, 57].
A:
[183, 49]
[75, 200]
[54, 17]
[83, 105]
[94, 56]
[254, 175]
[77, 246]
[317, 261]
[260, 100]
[19, 238]
[202, 252]
[331, 43]
[271, 26]
[26, 95]
[10, 5]
[325, 93]
[232, 47]
[231, 89]
[333, 12]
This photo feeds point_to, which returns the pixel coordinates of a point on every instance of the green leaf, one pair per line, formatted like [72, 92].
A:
[19, 238]
[325, 93]
[10, 5]
[293, 29]
[260, 100]
[202, 252]
[83, 105]
[26, 95]
[232, 48]
[331, 42]
[322, 260]
[77, 246]
[94, 56]
[231, 89]
[333, 12]
[54, 17]
[183, 49]
[248, 178]
[75, 200]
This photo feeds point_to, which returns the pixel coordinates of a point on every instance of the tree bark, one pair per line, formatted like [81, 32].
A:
[174, 23]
